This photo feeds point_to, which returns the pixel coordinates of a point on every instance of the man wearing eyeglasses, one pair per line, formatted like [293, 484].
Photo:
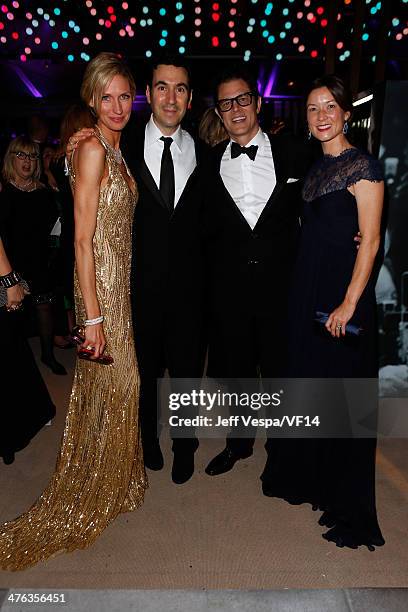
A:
[251, 221]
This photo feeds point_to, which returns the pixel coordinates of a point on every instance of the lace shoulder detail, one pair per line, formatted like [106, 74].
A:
[334, 173]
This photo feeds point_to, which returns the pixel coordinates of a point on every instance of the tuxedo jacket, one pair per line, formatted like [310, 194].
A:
[248, 270]
[167, 259]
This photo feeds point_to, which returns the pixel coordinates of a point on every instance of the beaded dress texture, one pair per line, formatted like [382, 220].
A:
[100, 470]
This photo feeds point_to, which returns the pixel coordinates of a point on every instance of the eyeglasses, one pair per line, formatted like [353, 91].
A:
[244, 99]
[26, 156]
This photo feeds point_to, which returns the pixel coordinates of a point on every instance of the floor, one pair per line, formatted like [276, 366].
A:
[212, 543]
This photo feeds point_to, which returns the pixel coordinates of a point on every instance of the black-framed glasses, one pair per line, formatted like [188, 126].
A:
[26, 156]
[243, 99]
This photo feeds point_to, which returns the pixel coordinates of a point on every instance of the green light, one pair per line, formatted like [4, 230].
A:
[162, 42]
[265, 33]
[288, 25]
[263, 23]
[271, 39]
[365, 36]
[164, 33]
[57, 11]
[182, 50]
[279, 56]
[162, 12]
[282, 35]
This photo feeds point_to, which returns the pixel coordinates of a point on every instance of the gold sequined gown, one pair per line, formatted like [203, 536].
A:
[100, 470]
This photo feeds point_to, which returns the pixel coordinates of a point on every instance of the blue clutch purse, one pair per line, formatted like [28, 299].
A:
[353, 330]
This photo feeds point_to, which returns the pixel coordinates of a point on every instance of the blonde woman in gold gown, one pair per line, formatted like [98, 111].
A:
[99, 472]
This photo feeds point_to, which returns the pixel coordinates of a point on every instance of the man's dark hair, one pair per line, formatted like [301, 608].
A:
[233, 73]
[169, 59]
[338, 89]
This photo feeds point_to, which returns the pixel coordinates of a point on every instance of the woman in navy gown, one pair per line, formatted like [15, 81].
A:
[343, 194]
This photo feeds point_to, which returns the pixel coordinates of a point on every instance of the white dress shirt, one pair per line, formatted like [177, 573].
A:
[182, 151]
[250, 183]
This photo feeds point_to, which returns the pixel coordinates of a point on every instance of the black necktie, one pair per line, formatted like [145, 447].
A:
[167, 188]
[237, 150]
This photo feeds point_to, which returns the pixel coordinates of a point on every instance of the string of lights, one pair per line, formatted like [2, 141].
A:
[242, 28]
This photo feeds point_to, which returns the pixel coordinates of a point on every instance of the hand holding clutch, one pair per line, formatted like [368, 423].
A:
[78, 337]
[351, 329]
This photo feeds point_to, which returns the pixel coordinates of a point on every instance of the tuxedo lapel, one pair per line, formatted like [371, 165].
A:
[281, 178]
[144, 175]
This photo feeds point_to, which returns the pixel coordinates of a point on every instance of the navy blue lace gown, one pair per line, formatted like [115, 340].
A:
[335, 475]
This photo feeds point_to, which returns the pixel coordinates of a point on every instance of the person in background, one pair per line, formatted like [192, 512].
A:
[26, 405]
[211, 129]
[28, 213]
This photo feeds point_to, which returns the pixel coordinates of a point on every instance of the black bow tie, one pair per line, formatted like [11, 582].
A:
[237, 150]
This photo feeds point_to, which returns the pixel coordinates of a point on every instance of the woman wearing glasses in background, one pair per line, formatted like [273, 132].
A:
[28, 213]
[25, 401]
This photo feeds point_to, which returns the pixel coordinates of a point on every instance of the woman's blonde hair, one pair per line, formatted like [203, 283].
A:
[24, 144]
[211, 128]
[98, 74]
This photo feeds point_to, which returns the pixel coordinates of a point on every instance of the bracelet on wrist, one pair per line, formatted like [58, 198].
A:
[10, 280]
[94, 321]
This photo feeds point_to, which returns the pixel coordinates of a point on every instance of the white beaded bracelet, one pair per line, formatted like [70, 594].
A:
[94, 321]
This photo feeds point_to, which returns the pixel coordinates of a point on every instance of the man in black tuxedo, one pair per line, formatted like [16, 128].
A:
[251, 222]
[166, 279]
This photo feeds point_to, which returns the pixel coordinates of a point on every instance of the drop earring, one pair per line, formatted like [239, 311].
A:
[309, 134]
[345, 127]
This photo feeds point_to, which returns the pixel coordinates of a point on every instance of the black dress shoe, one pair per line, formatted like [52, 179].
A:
[55, 367]
[8, 458]
[183, 467]
[224, 462]
[153, 458]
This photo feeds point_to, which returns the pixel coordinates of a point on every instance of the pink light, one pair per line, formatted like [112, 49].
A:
[320, 10]
[4, 8]
[234, 44]
[29, 16]
[98, 36]
[122, 32]
[133, 20]
[398, 36]
[3, 39]
[197, 22]
[27, 50]
[113, 18]
[93, 12]
[15, 4]
[125, 6]
[310, 16]
[23, 58]
[231, 24]
[89, 3]
[299, 15]
[301, 48]
[10, 16]
[101, 21]
[128, 28]
[340, 45]
[232, 34]
[131, 34]
[1, 26]
[197, 33]
[296, 40]
[233, 11]
[197, 10]
[37, 40]
[85, 41]
[307, 2]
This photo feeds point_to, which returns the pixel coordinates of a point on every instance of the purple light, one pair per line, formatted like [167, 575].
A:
[271, 82]
[31, 88]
